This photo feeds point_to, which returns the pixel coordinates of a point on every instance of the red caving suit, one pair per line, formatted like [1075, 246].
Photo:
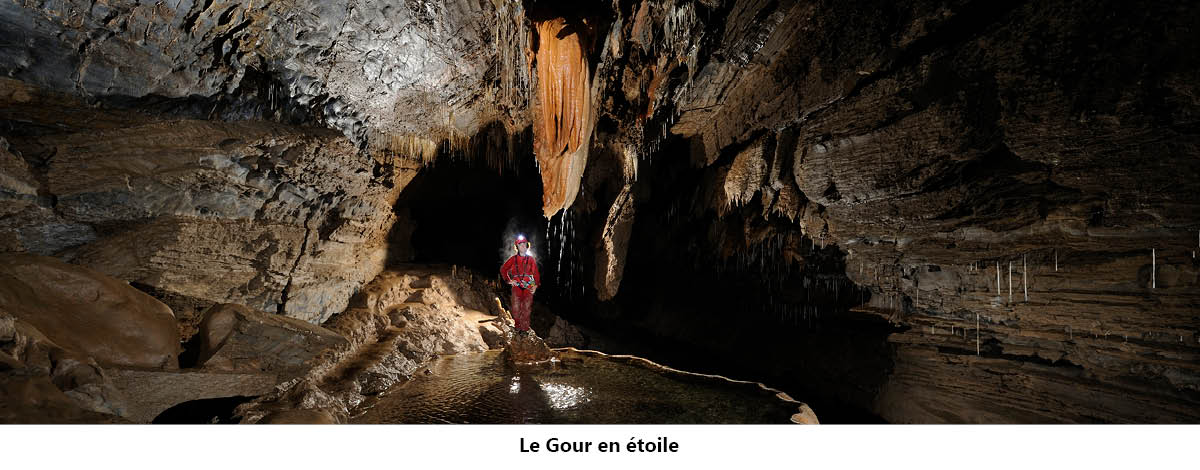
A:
[518, 270]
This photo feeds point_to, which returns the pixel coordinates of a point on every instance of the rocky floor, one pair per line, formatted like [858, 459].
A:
[56, 368]
[398, 323]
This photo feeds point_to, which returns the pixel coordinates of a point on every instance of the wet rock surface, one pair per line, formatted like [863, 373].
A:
[527, 348]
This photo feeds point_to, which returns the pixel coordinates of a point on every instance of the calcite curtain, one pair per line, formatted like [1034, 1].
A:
[562, 124]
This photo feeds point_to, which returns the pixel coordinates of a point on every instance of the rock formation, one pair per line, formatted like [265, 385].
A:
[953, 141]
[237, 339]
[526, 349]
[563, 111]
[86, 312]
[393, 327]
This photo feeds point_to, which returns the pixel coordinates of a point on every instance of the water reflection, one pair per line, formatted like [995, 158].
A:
[563, 396]
[482, 388]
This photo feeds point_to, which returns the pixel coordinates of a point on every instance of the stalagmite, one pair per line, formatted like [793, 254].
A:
[1025, 277]
[998, 294]
[563, 121]
[1010, 282]
[1153, 269]
[977, 333]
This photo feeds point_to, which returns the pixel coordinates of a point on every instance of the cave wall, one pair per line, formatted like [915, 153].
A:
[931, 142]
[224, 151]
[281, 218]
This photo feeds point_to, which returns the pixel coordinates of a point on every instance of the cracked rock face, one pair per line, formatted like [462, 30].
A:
[279, 218]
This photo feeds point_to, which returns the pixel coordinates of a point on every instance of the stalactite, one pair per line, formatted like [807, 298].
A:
[563, 113]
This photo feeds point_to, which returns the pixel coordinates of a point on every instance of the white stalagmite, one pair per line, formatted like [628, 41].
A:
[998, 294]
[1010, 282]
[977, 322]
[1025, 277]
[1153, 269]
[1055, 260]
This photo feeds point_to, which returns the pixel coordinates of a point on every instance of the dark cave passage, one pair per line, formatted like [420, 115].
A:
[463, 213]
[202, 411]
[467, 215]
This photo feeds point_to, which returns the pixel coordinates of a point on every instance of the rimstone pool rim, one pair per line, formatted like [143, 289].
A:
[803, 415]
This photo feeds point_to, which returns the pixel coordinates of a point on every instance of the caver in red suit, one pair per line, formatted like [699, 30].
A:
[521, 272]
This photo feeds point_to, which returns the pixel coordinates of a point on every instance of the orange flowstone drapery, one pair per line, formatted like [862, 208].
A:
[562, 121]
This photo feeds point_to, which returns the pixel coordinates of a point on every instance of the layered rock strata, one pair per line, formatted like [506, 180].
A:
[1012, 183]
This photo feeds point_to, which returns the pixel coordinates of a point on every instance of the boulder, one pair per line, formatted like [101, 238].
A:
[30, 360]
[87, 384]
[87, 312]
[26, 399]
[527, 349]
[495, 334]
[236, 338]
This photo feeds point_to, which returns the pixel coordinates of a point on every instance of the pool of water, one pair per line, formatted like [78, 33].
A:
[580, 388]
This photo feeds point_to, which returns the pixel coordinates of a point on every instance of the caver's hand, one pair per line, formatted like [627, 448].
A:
[532, 288]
